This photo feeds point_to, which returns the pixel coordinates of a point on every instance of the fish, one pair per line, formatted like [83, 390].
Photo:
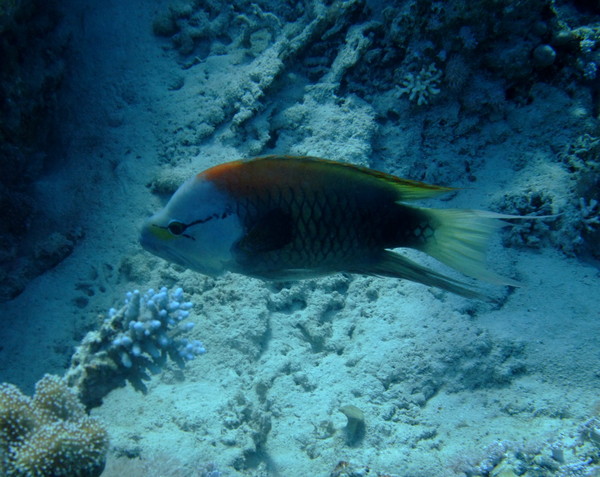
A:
[286, 218]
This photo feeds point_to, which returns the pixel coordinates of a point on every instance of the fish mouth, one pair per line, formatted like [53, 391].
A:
[166, 249]
[151, 242]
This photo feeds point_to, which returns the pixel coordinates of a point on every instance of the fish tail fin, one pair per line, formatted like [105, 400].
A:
[460, 240]
[391, 264]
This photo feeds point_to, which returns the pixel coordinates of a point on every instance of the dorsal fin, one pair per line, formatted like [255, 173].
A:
[414, 190]
[262, 171]
[407, 188]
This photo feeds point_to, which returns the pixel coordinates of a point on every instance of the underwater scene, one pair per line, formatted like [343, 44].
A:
[338, 238]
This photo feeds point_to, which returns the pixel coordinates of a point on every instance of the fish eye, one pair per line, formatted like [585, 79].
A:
[176, 227]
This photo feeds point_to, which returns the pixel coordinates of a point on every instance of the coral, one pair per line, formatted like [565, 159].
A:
[566, 456]
[467, 37]
[590, 215]
[590, 70]
[457, 72]
[154, 325]
[17, 418]
[590, 431]
[587, 59]
[330, 124]
[246, 428]
[53, 400]
[587, 45]
[534, 233]
[420, 87]
[263, 42]
[576, 230]
[357, 42]
[418, 33]
[581, 224]
[132, 341]
[49, 434]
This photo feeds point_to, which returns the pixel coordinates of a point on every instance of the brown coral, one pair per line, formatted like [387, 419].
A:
[49, 434]
[53, 400]
[17, 418]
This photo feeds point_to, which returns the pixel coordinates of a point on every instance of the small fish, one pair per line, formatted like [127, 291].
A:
[288, 218]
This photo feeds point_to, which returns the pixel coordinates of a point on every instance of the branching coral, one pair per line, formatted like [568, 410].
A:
[590, 214]
[153, 327]
[420, 87]
[133, 341]
[534, 233]
[49, 434]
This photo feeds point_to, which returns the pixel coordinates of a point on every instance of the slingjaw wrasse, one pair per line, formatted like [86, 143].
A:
[287, 218]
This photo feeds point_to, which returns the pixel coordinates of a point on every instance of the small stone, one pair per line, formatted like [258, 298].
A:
[544, 56]
[355, 429]
[503, 470]
[558, 454]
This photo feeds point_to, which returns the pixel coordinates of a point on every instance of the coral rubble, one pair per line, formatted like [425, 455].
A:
[570, 455]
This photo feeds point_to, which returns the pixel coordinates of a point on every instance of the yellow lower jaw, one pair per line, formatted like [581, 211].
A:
[159, 232]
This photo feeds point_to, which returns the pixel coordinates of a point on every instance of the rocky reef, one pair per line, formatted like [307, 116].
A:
[368, 66]
[33, 66]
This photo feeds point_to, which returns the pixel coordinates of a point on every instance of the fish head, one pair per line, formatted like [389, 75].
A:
[196, 229]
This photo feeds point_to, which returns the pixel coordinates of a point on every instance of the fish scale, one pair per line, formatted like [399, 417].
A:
[330, 227]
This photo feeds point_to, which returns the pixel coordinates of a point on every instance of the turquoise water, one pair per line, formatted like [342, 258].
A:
[108, 107]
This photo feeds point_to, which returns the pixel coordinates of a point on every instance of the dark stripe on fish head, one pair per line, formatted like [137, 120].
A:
[196, 229]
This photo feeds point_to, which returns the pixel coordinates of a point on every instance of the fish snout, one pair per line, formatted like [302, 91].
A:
[148, 238]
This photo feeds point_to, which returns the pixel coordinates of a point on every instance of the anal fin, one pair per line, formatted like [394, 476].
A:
[391, 264]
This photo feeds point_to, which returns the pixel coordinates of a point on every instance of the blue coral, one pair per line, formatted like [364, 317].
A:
[154, 322]
[132, 343]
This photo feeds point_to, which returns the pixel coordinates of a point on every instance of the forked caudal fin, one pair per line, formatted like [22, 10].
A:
[459, 240]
